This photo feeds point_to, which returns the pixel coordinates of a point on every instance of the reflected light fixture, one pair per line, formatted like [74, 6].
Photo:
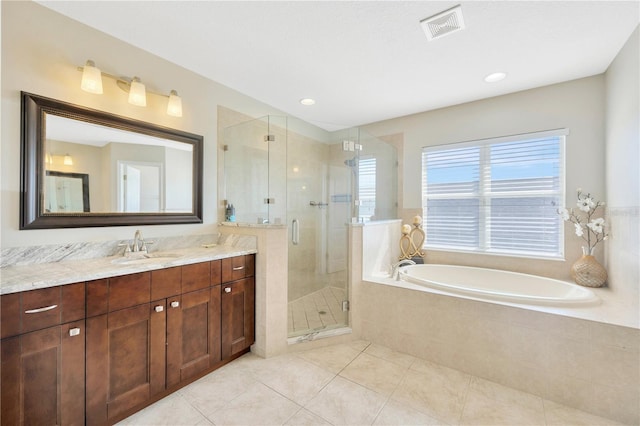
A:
[68, 160]
[174, 107]
[91, 78]
[137, 93]
[92, 83]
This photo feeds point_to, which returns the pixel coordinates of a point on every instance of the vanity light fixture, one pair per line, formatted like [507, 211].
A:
[495, 77]
[68, 160]
[92, 83]
[174, 107]
[137, 93]
[91, 78]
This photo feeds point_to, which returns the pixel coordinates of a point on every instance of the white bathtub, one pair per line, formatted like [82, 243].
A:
[492, 284]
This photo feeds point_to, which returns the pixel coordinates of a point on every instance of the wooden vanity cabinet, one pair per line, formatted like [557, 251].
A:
[147, 334]
[42, 364]
[193, 323]
[238, 304]
[170, 335]
[125, 351]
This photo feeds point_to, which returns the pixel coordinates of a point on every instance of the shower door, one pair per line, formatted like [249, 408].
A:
[281, 170]
[255, 170]
[319, 208]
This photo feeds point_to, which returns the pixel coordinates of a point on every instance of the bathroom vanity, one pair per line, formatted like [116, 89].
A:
[94, 352]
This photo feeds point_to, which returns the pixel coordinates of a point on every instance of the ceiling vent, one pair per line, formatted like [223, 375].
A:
[444, 23]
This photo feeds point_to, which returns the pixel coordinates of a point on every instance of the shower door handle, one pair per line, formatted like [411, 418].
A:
[295, 232]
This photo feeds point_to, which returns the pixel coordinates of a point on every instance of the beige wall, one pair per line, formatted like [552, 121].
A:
[86, 159]
[40, 52]
[576, 105]
[623, 171]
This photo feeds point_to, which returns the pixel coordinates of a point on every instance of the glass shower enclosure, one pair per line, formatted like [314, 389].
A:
[284, 171]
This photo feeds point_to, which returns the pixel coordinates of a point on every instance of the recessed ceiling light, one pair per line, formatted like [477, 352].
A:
[495, 77]
[307, 101]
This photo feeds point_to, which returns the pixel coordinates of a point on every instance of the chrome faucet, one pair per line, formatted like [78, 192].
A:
[137, 240]
[138, 246]
[395, 268]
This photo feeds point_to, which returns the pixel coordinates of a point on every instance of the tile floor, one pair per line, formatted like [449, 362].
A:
[319, 310]
[351, 384]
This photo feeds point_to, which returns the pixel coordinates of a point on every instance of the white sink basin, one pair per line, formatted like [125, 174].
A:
[146, 258]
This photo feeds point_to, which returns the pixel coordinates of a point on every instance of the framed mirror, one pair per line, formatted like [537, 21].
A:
[82, 167]
[66, 192]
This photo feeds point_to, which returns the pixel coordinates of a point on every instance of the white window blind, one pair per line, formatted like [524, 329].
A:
[366, 188]
[496, 196]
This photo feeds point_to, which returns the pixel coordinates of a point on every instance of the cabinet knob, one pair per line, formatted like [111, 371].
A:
[74, 331]
[159, 308]
[175, 304]
[227, 289]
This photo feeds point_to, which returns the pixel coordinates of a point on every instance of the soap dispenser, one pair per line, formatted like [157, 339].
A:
[232, 217]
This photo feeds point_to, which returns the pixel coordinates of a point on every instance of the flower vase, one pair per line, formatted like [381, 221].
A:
[587, 271]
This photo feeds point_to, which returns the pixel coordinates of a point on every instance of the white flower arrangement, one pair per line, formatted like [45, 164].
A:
[590, 229]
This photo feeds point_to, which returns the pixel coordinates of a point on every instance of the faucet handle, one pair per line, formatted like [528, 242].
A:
[127, 247]
[144, 245]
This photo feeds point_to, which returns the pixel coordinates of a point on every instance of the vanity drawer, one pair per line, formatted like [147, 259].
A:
[117, 293]
[236, 268]
[166, 283]
[196, 276]
[37, 309]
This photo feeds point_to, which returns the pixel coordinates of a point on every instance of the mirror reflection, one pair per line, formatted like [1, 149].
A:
[127, 172]
[66, 192]
[84, 167]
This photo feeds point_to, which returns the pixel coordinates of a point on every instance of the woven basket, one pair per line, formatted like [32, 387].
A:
[588, 272]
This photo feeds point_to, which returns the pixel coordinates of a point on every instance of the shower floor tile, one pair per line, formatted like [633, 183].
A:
[316, 311]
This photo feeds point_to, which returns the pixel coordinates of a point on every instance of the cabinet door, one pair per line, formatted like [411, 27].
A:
[43, 377]
[193, 333]
[238, 316]
[125, 360]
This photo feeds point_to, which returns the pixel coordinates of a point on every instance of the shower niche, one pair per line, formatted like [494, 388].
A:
[283, 171]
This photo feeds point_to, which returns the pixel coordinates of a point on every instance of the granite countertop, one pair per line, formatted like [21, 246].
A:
[42, 275]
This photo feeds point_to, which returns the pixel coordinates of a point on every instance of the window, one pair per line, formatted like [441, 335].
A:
[367, 188]
[495, 196]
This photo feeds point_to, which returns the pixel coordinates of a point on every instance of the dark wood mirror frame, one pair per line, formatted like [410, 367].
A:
[32, 153]
[84, 185]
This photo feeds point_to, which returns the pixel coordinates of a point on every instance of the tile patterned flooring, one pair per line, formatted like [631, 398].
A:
[351, 384]
[319, 310]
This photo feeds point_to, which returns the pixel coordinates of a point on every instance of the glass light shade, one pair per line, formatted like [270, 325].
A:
[68, 160]
[137, 93]
[91, 79]
[174, 107]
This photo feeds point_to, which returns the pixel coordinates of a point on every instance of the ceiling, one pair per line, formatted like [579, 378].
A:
[366, 61]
